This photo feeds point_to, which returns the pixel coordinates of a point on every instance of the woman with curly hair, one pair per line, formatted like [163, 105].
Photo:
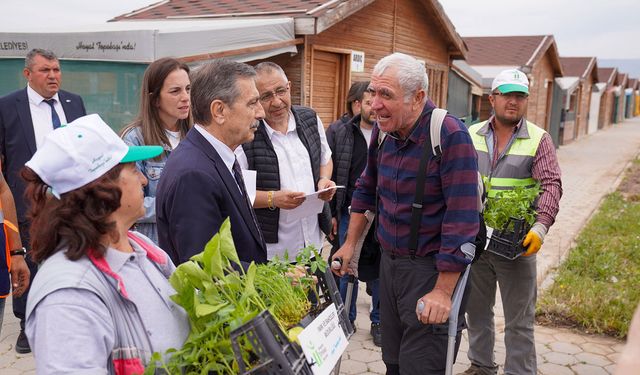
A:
[100, 301]
[164, 119]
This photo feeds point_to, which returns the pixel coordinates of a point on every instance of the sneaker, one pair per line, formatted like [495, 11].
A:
[353, 324]
[22, 344]
[376, 334]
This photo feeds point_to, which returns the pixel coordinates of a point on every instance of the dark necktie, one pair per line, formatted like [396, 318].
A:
[55, 120]
[237, 174]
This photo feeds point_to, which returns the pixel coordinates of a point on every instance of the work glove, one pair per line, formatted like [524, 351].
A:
[534, 239]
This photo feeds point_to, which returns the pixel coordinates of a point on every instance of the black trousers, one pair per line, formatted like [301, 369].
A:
[415, 347]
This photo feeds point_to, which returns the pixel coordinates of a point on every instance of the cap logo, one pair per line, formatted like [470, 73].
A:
[99, 162]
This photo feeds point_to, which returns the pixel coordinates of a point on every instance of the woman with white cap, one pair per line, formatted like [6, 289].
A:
[100, 301]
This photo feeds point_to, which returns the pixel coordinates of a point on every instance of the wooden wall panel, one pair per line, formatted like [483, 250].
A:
[486, 110]
[388, 26]
[540, 92]
[585, 105]
[384, 27]
[326, 83]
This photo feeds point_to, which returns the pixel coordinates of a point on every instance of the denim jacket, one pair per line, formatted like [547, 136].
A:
[152, 170]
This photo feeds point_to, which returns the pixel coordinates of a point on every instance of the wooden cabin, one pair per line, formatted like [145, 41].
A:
[631, 93]
[585, 71]
[337, 42]
[620, 97]
[607, 103]
[537, 56]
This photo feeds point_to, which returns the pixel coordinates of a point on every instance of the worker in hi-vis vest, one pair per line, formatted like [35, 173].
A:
[14, 273]
[511, 152]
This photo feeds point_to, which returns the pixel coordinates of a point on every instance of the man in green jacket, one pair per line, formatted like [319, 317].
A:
[511, 152]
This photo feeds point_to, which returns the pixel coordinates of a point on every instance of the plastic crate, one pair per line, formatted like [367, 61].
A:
[329, 293]
[508, 243]
[275, 354]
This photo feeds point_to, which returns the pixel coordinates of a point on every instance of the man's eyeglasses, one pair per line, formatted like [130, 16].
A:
[512, 95]
[269, 95]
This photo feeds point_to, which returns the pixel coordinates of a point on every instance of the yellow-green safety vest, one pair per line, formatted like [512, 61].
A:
[514, 167]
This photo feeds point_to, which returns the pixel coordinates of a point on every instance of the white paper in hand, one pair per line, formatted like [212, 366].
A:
[312, 205]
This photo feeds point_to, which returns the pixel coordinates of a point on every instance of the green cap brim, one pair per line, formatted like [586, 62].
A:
[505, 89]
[137, 153]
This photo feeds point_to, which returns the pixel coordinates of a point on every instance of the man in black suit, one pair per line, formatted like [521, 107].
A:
[202, 184]
[26, 117]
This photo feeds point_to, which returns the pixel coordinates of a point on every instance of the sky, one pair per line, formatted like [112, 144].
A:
[605, 29]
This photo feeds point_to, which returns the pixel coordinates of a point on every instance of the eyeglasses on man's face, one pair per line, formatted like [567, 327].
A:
[280, 92]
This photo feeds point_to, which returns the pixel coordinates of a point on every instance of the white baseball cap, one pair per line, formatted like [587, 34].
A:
[511, 80]
[81, 152]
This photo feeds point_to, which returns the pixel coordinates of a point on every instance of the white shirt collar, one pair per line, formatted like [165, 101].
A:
[36, 98]
[291, 125]
[227, 155]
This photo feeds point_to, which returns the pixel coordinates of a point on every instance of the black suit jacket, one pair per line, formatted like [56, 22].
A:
[18, 143]
[195, 195]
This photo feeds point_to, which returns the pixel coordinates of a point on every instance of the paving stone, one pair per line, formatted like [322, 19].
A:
[7, 360]
[618, 347]
[377, 367]
[611, 369]
[566, 336]
[583, 369]
[613, 357]
[353, 367]
[542, 348]
[561, 359]
[364, 355]
[593, 359]
[463, 359]
[601, 349]
[459, 368]
[553, 369]
[25, 364]
[565, 347]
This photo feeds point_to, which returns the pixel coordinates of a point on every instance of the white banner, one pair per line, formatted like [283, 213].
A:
[134, 46]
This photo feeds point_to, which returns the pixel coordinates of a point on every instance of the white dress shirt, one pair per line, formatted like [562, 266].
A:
[294, 165]
[227, 155]
[41, 114]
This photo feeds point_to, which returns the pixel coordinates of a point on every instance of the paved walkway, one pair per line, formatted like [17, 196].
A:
[591, 168]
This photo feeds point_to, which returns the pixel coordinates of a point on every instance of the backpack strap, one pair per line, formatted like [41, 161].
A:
[437, 117]
[435, 126]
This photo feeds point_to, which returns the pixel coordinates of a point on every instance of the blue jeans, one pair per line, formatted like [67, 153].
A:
[374, 285]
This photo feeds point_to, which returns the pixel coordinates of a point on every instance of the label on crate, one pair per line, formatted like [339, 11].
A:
[323, 341]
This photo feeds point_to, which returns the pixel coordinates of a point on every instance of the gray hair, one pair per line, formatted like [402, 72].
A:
[216, 80]
[411, 74]
[268, 67]
[28, 60]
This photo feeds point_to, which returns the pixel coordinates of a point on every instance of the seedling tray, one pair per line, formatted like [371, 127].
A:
[507, 242]
[275, 354]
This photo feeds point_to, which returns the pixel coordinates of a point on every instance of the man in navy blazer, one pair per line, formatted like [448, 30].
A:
[201, 184]
[26, 117]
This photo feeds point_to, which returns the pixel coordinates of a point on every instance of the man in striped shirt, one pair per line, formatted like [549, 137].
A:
[414, 342]
[511, 152]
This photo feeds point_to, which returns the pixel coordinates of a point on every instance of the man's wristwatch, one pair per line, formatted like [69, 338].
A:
[21, 251]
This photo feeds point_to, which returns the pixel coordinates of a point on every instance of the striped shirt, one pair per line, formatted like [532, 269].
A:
[545, 169]
[450, 216]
